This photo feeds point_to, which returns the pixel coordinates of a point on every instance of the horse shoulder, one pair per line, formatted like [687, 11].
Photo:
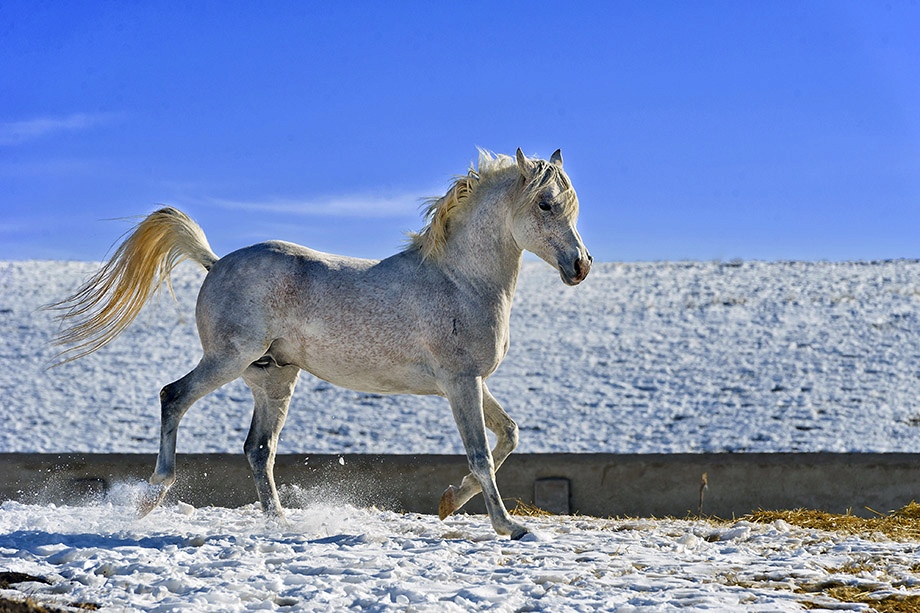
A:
[467, 330]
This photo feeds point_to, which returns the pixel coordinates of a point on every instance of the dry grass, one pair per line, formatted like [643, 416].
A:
[892, 603]
[525, 509]
[30, 605]
[25, 606]
[900, 525]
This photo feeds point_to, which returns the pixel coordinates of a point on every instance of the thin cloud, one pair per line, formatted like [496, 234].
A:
[354, 205]
[13, 229]
[18, 132]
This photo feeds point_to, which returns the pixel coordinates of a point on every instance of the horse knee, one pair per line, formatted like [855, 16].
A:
[481, 465]
[508, 436]
[511, 434]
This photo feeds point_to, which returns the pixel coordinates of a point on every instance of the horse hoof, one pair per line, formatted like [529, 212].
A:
[448, 502]
[277, 517]
[519, 533]
[151, 498]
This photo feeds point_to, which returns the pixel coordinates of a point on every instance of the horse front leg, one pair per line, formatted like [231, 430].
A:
[466, 401]
[506, 432]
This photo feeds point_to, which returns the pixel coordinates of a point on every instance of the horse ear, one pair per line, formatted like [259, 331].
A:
[556, 158]
[526, 166]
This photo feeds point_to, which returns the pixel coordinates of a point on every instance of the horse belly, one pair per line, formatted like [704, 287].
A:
[359, 366]
[376, 379]
[383, 382]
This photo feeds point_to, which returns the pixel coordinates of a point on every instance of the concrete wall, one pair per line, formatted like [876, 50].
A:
[590, 484]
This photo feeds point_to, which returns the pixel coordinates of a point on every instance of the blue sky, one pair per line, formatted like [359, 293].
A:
[691, 130]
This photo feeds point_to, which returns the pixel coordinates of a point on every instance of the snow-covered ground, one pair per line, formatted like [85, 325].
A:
[640, 358]
[334, 557]
[669, 357]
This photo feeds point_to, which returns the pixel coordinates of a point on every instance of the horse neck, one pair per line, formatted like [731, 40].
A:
[481, 249]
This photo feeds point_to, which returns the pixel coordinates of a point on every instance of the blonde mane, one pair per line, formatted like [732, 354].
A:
[431, 240]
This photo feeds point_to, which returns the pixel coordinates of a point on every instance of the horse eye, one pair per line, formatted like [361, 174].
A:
[545, 205]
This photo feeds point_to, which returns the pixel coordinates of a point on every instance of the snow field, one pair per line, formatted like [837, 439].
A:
[640, 358]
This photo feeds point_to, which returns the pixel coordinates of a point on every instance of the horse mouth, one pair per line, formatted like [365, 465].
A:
[576, 273]
[570, 281]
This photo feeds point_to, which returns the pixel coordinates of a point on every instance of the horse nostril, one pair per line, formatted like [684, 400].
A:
[582, 266]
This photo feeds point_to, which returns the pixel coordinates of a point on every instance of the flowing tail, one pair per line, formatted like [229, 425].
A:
[110, 300]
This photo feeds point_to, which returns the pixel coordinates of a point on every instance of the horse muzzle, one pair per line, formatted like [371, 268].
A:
[575, 271]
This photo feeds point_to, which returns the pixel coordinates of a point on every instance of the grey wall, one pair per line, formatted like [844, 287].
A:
[590, 484]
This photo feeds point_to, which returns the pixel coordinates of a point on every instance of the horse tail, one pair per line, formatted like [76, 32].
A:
[112, 298]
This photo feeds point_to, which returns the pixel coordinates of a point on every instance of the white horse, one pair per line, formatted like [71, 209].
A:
[432, 319]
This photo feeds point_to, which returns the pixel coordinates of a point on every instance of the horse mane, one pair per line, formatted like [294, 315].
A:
[431, 240]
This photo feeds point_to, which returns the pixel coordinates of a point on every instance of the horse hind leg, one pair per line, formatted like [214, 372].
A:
[175, 400]
[272, 387]
[506, 432]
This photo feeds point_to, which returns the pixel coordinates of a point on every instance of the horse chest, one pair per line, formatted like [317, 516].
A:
[477, 341]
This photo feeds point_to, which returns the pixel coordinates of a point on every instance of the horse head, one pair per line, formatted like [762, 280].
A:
[545, 218]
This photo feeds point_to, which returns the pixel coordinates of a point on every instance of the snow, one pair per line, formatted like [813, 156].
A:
[709, 357]
[338, 557]
[642, 357]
